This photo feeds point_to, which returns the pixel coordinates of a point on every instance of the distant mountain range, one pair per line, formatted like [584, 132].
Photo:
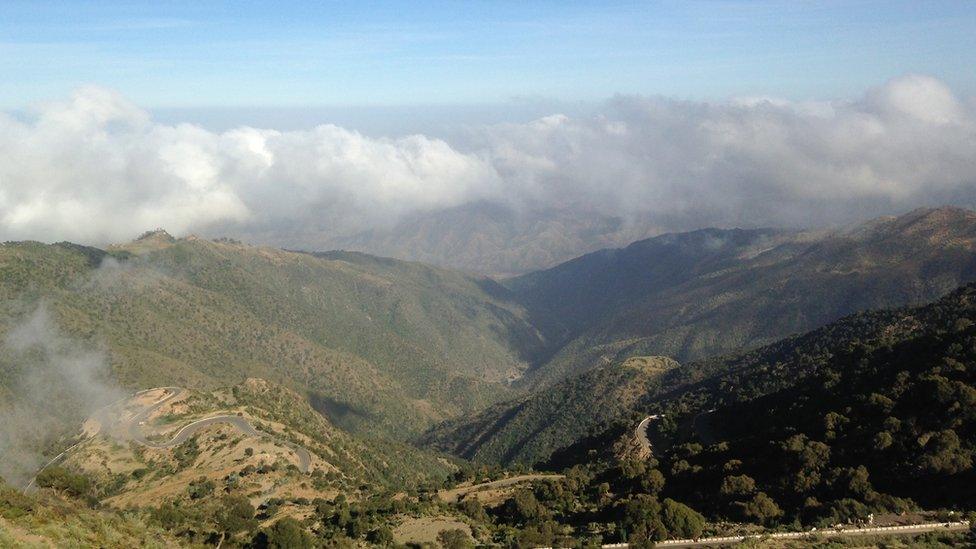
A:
[708, 292]
[489, 238]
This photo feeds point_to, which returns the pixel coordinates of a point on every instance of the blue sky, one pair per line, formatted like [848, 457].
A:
[297, 54]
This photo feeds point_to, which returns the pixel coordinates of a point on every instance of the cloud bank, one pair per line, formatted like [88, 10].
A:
[96, 168]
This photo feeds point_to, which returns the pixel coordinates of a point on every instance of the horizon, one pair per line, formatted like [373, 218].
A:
[606, 123]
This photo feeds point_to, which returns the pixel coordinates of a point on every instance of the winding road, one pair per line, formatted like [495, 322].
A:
[187, 431]
[131, 429]
[641, 433]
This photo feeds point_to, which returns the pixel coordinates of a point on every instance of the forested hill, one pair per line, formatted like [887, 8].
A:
[528, 430]
[874, 413]
[711, 292]
[382, 346]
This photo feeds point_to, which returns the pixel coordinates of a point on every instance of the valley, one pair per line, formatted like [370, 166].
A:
[341, 396]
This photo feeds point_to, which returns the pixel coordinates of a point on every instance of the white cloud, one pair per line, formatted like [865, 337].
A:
[96, 168]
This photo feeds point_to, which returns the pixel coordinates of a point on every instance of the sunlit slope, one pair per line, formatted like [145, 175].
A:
[376, 344]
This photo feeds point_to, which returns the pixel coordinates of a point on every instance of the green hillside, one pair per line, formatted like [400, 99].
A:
[377, 345]
[711, 292]
[529, 430]
[871, 414]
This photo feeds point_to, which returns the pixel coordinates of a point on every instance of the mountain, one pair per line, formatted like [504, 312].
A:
[873, 413]
[709, 292]
[377, 345]
[494, 239]
[127, 472]
[530, 429]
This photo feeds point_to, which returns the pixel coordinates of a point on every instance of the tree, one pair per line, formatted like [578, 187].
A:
[738, 485]
[236, 514]
[61, 479]
[652, 481]
[287, 533]
[455, 539]
[944, 453]
[524, 508]
[473, 508]
[381, 536]
[761, 508]
[682, 521]
[200, 488]
[642, 519]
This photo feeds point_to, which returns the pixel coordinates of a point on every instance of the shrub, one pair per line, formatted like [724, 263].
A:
[63, 480]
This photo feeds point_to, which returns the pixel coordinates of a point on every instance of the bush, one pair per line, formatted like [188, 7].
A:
[236, 515]
[13, 503]
[287, 533]
[63, 480]
[200, 488]
[682, 521]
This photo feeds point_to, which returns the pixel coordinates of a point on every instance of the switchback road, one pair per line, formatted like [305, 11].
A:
[190, 429]
[131, 430]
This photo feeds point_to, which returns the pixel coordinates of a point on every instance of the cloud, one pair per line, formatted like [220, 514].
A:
[749, 162]
[96, 168]
[53, 382]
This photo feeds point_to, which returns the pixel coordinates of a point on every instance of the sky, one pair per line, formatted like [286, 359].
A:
[285, 54]
[296, 123]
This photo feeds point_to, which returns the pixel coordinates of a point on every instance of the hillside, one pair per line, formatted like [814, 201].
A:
[876, 408]
[278, 448]
[870, 414]
[867, 418]
[529, 430]
[710, 292]
[172, 467]
[378, 345]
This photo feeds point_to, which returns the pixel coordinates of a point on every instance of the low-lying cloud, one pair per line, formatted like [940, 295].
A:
[52, 382]
[96, 168]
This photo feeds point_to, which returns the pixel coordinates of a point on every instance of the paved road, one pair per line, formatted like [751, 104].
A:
[190, 429]
[641, 433]
[131, 429]
[911, 529]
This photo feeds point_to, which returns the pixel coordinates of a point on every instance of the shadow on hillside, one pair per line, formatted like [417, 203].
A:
[342, 414]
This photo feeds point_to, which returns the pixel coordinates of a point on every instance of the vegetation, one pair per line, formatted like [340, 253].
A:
[709, 292]
[529, 430]
[379, 346]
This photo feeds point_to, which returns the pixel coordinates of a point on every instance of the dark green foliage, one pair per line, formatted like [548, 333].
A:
[200, 488]
[236, 515]
[681, 521]
[14, 503]
[286, 533]
[871, 414]
[642, 520]
[380, 537]
[63, 480]
[524, 508]
[455, 539]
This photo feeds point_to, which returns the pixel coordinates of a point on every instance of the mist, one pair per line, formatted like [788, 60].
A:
[95, 168]
[52, 382]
